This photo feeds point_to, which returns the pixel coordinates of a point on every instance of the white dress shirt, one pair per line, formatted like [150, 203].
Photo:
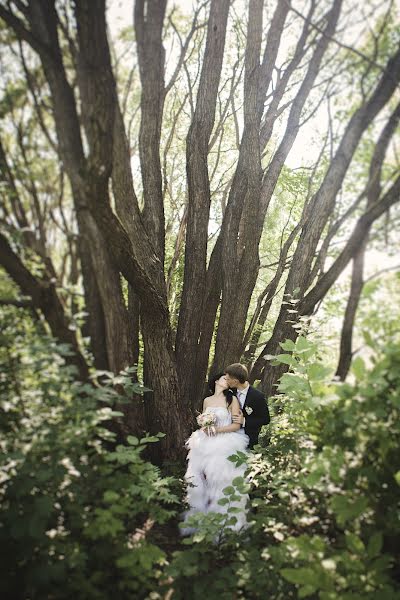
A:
[241, 396]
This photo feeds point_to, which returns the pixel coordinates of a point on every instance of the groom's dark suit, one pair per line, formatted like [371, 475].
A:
[256, 414]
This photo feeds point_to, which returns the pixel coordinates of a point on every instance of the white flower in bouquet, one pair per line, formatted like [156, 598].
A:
[206, 419]
[207, 422]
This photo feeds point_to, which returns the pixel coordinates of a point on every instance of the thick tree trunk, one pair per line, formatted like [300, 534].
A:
[146, 278]
[43, 20]
[133, 325]
[119, 352]
[210, 306]
[94, 326]
[199, 198]
[254, 99]
[149, 17]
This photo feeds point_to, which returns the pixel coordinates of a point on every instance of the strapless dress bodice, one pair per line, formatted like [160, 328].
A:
[223, 415]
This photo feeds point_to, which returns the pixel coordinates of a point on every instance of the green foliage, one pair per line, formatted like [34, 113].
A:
[77, 511]
[81, 515]
[324, 493]
[331, 477]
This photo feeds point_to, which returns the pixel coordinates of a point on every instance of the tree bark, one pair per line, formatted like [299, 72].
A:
[168, 415]
[346, 335]
[151, 54]
[43, 21]
[199, 197]
[94, 326]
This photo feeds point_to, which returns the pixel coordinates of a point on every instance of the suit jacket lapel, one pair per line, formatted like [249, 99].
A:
[246, 400]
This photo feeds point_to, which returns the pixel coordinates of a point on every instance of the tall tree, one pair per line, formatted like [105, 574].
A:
[179, 180]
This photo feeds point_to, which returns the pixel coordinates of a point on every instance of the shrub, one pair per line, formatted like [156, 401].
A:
[324, 499]
[75, 511]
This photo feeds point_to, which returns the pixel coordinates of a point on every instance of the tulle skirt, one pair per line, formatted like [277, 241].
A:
[209, 472]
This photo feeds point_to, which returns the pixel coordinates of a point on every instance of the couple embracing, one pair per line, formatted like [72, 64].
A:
[231, 421]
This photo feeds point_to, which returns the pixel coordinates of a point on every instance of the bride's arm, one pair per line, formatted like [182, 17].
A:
[227, 428]
[233, 409]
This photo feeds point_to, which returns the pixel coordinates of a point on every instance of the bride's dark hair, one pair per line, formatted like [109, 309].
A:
[228, 393]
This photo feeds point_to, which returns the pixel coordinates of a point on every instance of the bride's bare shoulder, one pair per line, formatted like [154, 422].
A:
[206, 401]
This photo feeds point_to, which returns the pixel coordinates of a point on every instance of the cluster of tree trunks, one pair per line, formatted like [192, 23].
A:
[118, 240]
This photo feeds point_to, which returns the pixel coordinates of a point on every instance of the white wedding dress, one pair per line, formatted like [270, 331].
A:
[209, 471]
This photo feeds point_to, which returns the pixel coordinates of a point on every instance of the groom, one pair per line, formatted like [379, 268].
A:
[254, 413]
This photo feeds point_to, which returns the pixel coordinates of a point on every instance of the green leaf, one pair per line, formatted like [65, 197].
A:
[314, 477]
[288, 345]
[269, 357]
[151, 439]
[286, 359]
[354, 543]
[301, 576]
[223, 501]
[292, 383]
[375, 544]
[358, 367]
[347, 508]
[238, 481]
[302, 344]
[318, 372]
[235, 498]
[307, 590]
[110, 496]
[132, 440]
[228, 490]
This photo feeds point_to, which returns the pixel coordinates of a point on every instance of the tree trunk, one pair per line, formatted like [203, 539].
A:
[346, 335]
[94, 326]
[199, 198]
[151, 54]
[44, 296]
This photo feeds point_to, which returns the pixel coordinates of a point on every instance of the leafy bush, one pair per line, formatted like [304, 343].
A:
[81, 517]
[324, 501]
[336, 474]
[76, 512]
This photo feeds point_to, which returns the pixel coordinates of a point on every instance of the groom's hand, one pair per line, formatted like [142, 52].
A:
[238, 418]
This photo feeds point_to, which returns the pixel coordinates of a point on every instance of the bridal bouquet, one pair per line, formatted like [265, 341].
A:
[207, 421]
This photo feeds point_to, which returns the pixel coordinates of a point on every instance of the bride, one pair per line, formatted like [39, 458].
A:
[209, 471]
